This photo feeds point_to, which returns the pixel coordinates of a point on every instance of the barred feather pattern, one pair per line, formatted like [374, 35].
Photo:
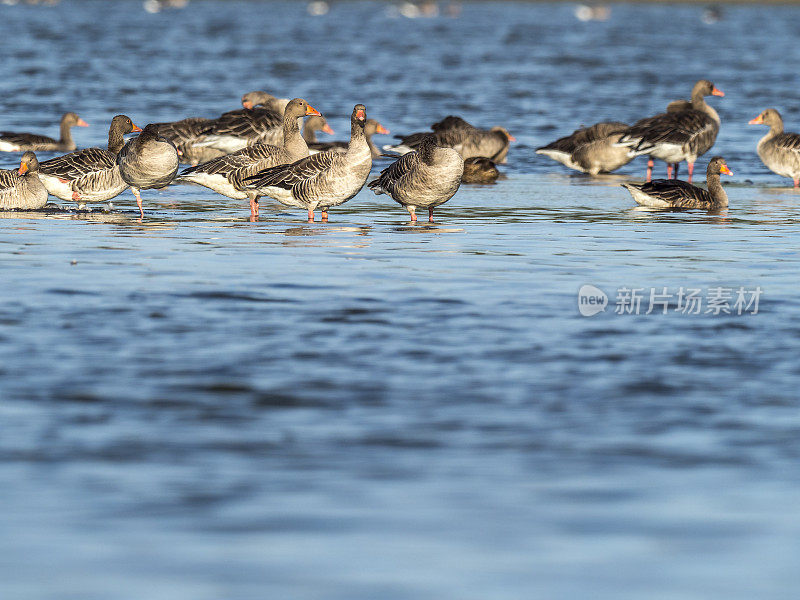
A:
[21, 191]
[91, 172]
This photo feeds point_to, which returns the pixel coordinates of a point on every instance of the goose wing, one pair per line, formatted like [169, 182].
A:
[253, 123]
[676, 192]
[392, 174]
[304, 171]
[77, 164]
[26, 139]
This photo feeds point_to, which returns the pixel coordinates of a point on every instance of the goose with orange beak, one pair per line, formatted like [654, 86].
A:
[323, 180]
[779, 150]
[89, 175]
[225, 175]
[21, 188]
[673, 193]
[20, 142]
[677, 135]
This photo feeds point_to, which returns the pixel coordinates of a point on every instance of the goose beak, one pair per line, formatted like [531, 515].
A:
[717, 92]
[328, 129]
[135, 129]
[759, 120]
[82, 123]
[360, 115]
[179, 152]
[311, 111]
[247, 104]
[511, 138]
[725, 170]
[381, 129]
[23, 168]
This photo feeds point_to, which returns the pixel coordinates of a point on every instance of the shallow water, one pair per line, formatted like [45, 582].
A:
[199, 407]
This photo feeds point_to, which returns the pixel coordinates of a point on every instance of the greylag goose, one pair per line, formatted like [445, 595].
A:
[185, 134]
[148, 161]
[680, 135]
[22, 188]
[20, 142]
[323, 180]
[466, 139]
[89, 175]
[225, 175]
[313, 125]
[673, 193]
[479, 170]
[426, 178]
[188, 133]
[371, 128]
[591, 149]
[779, 151]
[238, 129]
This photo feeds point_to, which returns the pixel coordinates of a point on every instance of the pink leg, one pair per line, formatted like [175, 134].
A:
[669, 171]
[430, 215]
[310, 216]
[324, 216]
[691, 170]
[138, 201]
[796, 183]
[253, 208]
[650, 164]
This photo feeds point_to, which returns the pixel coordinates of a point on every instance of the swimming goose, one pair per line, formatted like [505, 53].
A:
[372, 127]
[466, 139]
[22, 188]
[479, 170]
[426, 178]
[779, 151]
[590, 149]
[323, 180]
[673, 193]
[89, 175]
[258, 98]
[680, 135]
[148, 161]
[313, 125]
[225, 175]
[20, 142]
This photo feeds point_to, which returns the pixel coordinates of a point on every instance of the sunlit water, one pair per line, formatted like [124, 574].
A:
[198, 407]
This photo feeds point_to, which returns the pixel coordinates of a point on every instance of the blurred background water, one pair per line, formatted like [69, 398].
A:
[198, 407]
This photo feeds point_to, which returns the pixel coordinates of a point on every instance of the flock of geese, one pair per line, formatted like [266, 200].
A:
[260, 150]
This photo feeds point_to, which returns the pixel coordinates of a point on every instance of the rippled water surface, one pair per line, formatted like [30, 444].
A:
[199, 407]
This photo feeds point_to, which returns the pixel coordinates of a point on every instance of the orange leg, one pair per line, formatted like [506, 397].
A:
[650, 164]
[324, 216]
[669, 171]
[430, 215]
[796, 182]
[310, 216]
[691, 170]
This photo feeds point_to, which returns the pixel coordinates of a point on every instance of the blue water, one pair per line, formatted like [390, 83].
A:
[198, 407]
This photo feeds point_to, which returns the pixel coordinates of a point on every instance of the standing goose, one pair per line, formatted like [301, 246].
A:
[673, 193]
[678, 135]
[371, 128]
[313, 125]
[426, 178]
[22, 188]
[779, 151]
[590, 149]
[148, 161]
[20, 142]
[261, 122]
[225, 175]
[89, 175]
[323, 180]
[186, 134]
[468, 140]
